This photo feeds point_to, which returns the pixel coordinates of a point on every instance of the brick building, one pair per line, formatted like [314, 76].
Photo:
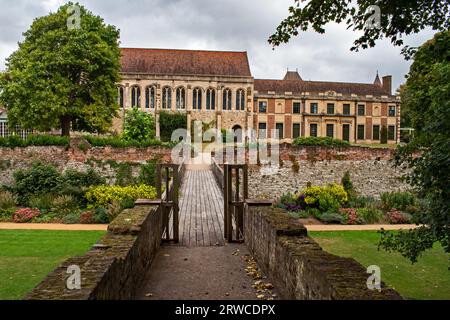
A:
[218, 88]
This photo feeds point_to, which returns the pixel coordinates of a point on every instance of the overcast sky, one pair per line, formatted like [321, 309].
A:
[241, 25]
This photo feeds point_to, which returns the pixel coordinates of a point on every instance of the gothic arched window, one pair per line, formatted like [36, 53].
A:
[150, 97]
[167, 98]
[240, 100]
[181, 98]
[121, 97]
[197, 99]
[135, 97]
[226, 99]
[210, 99]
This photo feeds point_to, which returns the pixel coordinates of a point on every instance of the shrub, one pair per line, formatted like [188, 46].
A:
[6, 215]
[101, 216]
[138, 126]
[71, 218]
[328, 198]
[169, 122]
[37, 180]
[332, 217]
[351, 215]
[102, 196]
[42, 202]
[361, 202]
[25, 215]
[114, 209]
[64, 205]
[83, 179]
[348, 184]
[87, 217]
[396, 217]
[313, 212]
[7, 200]
[33, 140]
[397, 200]
[320, 141]
[118, 142]
[370, 214]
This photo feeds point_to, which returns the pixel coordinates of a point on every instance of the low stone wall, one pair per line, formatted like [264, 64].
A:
[115, 267]
[298, 266]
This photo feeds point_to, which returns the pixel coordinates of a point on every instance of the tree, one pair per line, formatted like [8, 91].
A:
[169, 122]
[62, 74]
[139, 126]
[428, 154]
[397, 18]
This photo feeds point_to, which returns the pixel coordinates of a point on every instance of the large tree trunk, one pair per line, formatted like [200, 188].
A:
[65, 126]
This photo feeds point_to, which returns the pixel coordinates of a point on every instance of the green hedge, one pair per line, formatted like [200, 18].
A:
[118, 142]
[169, 122]
[316, 141]
[34, 140]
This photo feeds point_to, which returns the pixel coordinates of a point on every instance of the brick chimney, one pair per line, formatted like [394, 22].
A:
[387, 84]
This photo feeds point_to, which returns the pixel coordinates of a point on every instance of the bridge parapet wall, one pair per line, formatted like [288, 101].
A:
[298, 266]
[115, 266]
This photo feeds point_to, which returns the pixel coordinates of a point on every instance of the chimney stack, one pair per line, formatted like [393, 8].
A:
[387, 84]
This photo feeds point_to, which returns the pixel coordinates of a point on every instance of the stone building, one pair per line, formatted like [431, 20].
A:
[217, 87]
[214, 87]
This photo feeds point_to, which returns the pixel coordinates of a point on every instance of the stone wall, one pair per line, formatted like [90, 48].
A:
[369, 177]
[298, 266]
[115, 266]
[103, 159]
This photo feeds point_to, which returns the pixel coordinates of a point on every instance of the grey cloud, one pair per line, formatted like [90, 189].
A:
[225, 25]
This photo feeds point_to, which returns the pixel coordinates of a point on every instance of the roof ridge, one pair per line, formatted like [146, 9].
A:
[196, 50]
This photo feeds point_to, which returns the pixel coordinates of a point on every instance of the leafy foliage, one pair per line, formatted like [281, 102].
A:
[7, 200]
[410, 244]
[370, 214]
[327, 198]
[33, 140]
[169, 122]
[397, 200]
[84, 65]
[320, 141]
[139, 126]
[398, 18]
[118, 142]
[37, 180]
[103, 196]
[25, 215]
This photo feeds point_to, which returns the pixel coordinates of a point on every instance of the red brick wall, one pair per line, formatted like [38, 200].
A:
[369, 128]
[288, 127]
[369, 108]
[270, 124]
[384, 110]
[271, 106]
[288, 106]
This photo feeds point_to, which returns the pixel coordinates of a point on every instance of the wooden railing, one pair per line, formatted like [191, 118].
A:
[171, 175]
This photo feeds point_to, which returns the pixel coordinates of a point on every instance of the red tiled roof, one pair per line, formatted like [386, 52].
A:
[297, 87]
[185, 62]
[292, 75]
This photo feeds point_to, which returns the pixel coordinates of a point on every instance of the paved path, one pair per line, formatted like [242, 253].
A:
[201, 273]
[368, 227]
[51, 226]
[201, 210]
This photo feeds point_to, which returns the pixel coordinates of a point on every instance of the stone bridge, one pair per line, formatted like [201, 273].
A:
[131, 261]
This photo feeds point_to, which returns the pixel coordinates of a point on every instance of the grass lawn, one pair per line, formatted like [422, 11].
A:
[427, 279]
[27, 256]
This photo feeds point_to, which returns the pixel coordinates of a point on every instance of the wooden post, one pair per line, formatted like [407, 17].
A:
[176, 211]
[225, 199]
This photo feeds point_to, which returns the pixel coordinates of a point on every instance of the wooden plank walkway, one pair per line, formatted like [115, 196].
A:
[201, 210]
